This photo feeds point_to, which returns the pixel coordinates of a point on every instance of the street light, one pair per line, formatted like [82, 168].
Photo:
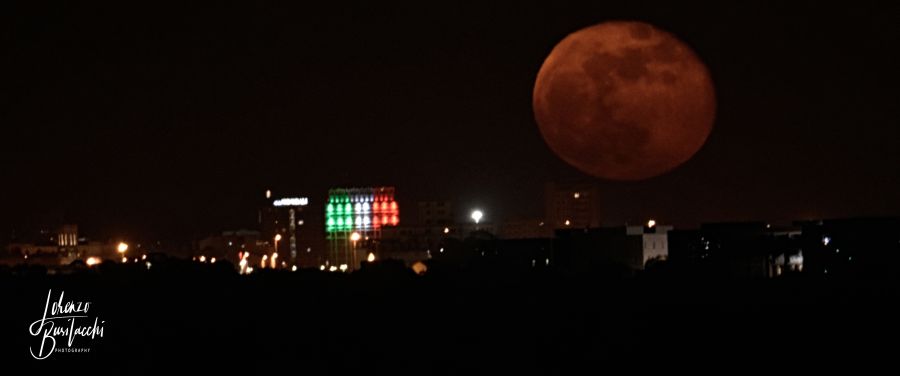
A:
[477, 215]
[651, 223]
[371, 257]
[355, 237]
[121, 248]
[277, 239]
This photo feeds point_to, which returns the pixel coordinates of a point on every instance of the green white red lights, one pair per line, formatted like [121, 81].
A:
[360, 209]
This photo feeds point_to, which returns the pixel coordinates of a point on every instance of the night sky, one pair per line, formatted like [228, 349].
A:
[158, 121]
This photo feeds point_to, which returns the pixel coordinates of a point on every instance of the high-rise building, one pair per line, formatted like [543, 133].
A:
[282, 223]
[354, 218]
[573, 205]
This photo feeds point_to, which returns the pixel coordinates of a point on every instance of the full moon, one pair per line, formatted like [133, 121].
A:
[624, 101]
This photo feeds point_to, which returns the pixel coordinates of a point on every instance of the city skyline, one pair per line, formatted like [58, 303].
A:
[171, 129]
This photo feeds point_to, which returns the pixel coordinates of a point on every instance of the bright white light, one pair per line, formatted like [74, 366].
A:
[446, 230]
[148, 265]
[212, 260]
[122, 247]
[321, 267]
[826, 240]
[277, 237]
[651, 223]
[477, 215]
[202, 258]
[91, 261]
[294, 268]
[274, 257]
[124, 259]
[577, 195]
[143, 257]
[568, 223]
[355, 236]
[371, 257]
[268, 193]
[292, 201]
[343, 267]
[441, 250]
[332, 268]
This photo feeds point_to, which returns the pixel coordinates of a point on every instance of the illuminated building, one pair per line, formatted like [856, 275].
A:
[360, 211]
[283, 216]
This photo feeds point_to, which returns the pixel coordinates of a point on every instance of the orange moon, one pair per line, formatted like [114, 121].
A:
[624, 101]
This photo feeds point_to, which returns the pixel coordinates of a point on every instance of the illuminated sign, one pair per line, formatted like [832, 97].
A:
[360, 209]
[292, 201]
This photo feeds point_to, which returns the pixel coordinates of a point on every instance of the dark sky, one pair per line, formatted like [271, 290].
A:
[170, 120]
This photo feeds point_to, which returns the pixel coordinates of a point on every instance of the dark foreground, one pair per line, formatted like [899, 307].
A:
[207, 318]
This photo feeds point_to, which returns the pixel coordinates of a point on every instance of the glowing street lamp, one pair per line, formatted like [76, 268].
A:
[651, 223]
[477, 215]
[355, 237]
[122, 248]
[91, 261]
[371, 257]
[277, 239]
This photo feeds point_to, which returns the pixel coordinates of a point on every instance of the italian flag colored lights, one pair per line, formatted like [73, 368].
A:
[360, 209]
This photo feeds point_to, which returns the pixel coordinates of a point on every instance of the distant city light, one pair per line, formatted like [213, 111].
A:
[143, 257]
[274, 258]
[577, 195]
[419, 268]
[355, 237]
[371, 257]
[278, 237]
[212, 260]
[826, 240]
[91, 261]
[268, 193]
[651, 223]
[568, 222]
[332, 268]
[321, 267]
[294, 268]
[122, 247]
[360, 209]
[243, 265]
[124, 259]
[477, 215]
[446, 230]
[343, 267]
[291, 201]
[202, 258]
[148, 265]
